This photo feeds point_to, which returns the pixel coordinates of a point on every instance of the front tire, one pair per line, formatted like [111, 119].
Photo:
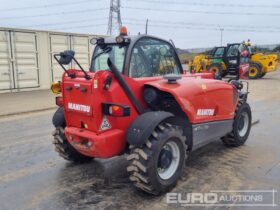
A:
[65, 149]
[255, 71]
[156, 166]
[241, 126]
[217, 69]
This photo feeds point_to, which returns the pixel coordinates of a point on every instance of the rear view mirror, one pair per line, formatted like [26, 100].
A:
[66, 57]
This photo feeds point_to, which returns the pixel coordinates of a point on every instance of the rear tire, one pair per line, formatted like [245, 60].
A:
[156, 166]
[217, 69]
[65, 149]
[241, 126]
[255, 71]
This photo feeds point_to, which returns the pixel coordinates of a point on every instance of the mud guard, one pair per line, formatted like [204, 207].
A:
[142, 127]
[58, 117]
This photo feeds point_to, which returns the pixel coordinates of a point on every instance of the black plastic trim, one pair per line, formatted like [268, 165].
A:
[141, 128]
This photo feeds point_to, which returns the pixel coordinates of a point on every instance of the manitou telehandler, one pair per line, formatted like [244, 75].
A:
[135, 99]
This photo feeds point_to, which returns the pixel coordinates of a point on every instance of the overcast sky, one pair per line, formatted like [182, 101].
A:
[189, 23]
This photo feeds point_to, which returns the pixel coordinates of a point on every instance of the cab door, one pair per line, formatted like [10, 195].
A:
[232, 59]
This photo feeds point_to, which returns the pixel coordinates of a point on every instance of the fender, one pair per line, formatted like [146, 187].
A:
[58, 117]
[142, 127]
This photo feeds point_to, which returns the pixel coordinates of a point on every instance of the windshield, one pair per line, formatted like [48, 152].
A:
[101, 54]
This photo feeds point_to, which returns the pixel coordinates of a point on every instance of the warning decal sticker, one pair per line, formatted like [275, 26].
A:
[105, 124]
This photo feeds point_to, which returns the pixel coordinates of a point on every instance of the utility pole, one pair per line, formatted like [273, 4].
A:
[114, 22]
[221, 29]
[147, 21]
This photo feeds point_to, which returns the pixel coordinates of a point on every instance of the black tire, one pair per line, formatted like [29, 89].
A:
[241, 129]
[263, 74]
[217, 69]
[145, 161]
[65, 149]
[255, 71]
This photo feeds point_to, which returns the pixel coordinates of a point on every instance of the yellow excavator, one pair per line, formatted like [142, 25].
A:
[260, 63]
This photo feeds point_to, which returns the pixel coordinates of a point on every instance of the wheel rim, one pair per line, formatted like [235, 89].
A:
[243, 124]
[168, 160]
[215, 70]
[253, 72]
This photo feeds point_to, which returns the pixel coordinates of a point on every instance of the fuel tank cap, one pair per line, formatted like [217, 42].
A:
[172, 78]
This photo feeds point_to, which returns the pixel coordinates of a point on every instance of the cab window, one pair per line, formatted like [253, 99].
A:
[233, 50]
[151, 57]
[219, 52]
[99, 59]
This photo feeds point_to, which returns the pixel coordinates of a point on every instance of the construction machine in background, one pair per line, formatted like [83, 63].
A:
[216, 61]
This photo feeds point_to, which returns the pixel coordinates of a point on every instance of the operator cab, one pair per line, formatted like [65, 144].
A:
[236, 56]
[233, 55]
[136, 56]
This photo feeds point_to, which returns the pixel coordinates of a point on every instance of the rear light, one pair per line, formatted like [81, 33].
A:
[56, 87]
[59, 101]
[116, 110]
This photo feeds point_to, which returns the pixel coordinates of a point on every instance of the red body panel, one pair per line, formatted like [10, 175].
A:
[83, 110]
[194, 94]
[244, 71]
[104, 145]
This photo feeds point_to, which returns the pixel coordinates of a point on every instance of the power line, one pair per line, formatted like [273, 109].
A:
[54, 13]
[80, 26]
[203, 24]
[155, 21]
[203, 12]
[46, 5]
[201, 28]
[208, 4]
[194, 27]
[65, 22]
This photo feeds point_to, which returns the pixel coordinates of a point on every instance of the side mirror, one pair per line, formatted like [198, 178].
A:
[66, 57]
